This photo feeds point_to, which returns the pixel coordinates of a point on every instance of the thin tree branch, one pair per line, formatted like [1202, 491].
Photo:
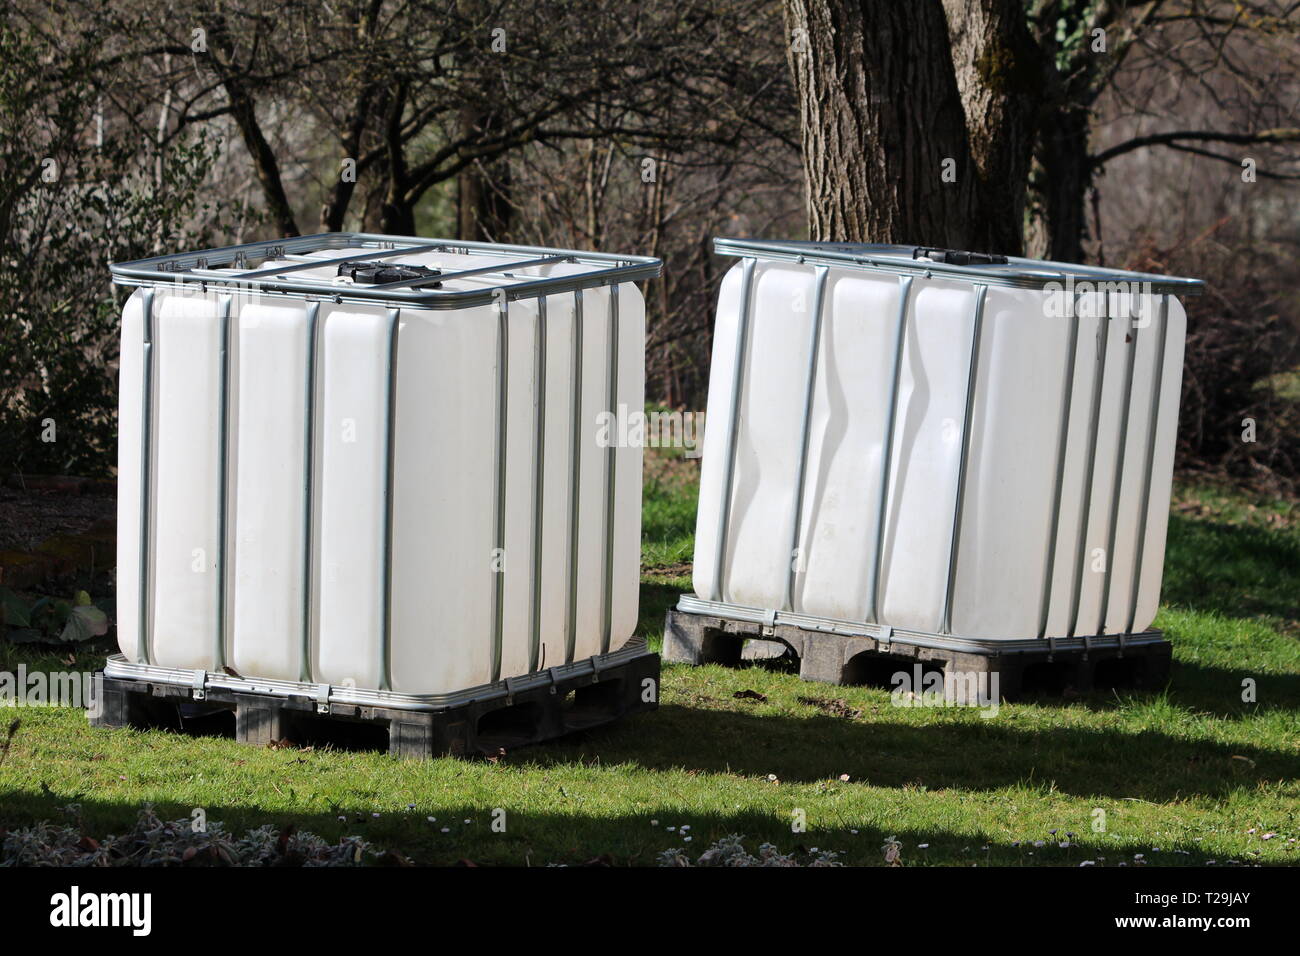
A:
[1203, 136]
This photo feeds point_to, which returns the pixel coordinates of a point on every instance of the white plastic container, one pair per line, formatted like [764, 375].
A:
[956, 451]
[381, 485]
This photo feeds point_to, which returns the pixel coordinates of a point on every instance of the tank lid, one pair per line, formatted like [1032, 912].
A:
[958, 264]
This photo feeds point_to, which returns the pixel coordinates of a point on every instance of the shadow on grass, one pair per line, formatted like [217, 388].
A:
[534, 838]
[1212, 691]
[656, 599]
[932, 750]
[967, 754]
[1234, 570]
[949, 750]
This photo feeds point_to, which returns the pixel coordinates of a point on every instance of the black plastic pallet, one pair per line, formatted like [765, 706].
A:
[857, 659]
[485, 726]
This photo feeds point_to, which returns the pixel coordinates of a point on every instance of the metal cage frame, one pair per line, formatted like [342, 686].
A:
[204, 268]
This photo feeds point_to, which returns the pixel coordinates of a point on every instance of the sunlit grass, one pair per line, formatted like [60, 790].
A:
[1187, 775]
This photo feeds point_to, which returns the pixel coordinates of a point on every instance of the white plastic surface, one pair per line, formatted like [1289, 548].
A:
[1005, 530]
[442, 609]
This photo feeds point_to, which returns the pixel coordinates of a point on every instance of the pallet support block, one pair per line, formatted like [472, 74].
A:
[111, 706]
[258, 721]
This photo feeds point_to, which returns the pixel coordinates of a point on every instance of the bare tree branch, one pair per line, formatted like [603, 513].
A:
[1203, 136]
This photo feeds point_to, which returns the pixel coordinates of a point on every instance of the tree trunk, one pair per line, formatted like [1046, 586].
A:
[1059, 184]
[397, 212]
[339, 197]
[885, 146]
[397, 219]
[482, 203]
[999, 71]
[335, 210]
[264, 162]
[1075, 73]
[243, 108]
[483, 190]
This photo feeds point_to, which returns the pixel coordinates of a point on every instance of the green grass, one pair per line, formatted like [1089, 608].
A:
[668, 514]
[1183, 776]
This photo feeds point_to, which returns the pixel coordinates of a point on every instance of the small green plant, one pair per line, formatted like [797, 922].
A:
[51, 620]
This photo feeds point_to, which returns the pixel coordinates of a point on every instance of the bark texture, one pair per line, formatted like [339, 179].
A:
[1059, 183]
[881, 116]
[999, 70]
[243, 109]
[483, 188]
[890, 103]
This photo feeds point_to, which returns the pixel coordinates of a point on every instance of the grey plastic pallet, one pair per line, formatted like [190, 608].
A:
[858, 659]
[476, 726]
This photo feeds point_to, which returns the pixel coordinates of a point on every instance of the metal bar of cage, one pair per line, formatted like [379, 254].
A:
[894, 634]
[897, 259]
[497, 559]
[1117, 483]
[575, 478]
[733, 424]
[307, 262]
[118, 666]
[539, 478]
[963, 461]
[390, 451]
[611, 473]
[887, 448]
[223, 481]
[1058, 481]
[384, 245]
[794, 555]
[317, 263]
[1085, 510]
[1149, 464]
[309, 488]
[500, 267]
[149, 361]
[450, 300]
[604, 269]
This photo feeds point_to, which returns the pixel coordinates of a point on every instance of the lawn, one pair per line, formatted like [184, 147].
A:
[1186, 776]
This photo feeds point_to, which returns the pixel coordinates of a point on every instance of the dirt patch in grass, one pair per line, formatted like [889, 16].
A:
[670, 467]
[832, 706]
[680, 570]
[30, 516]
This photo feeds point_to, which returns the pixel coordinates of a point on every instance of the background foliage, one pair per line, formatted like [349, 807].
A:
[648, 129]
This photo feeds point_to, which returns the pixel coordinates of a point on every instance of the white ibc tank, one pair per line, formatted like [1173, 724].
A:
[368, 476]
[958, 448]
